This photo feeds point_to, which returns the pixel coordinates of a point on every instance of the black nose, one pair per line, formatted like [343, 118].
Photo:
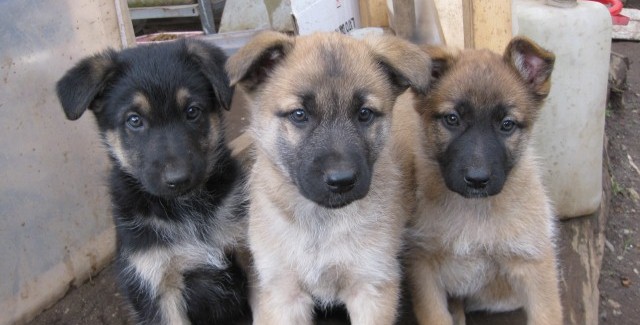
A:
[176, 178]
[477, 178]
[340, 181]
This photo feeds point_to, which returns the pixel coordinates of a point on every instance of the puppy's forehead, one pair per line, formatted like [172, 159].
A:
[336, 61]
[483, 80]
[334, 54]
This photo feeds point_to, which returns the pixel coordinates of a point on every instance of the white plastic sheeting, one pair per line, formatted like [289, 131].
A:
[55, 219]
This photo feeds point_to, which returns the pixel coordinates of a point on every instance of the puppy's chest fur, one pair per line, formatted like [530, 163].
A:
[328, 250]
[475, 240]
[336, 250]
[181, 246]
[467, 245]
[163, 240]
[474, 230]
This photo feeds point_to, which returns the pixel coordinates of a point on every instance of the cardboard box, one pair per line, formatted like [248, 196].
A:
[300, 17]
[325, 15]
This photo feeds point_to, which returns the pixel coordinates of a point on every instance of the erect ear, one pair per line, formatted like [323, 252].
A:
[211, 61]
[533, 63]
[81, 87]
[406, 65]
[252, 64]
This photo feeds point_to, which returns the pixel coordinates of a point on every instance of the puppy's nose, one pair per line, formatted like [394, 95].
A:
[477, 178]
[176, 178]
[340, 181]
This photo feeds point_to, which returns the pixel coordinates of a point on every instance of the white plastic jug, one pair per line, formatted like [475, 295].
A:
[569, 134]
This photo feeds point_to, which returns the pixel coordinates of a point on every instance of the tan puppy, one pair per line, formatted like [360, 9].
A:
[326, 217]
[484, 231]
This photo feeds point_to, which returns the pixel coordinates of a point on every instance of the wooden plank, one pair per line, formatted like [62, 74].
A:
[127, 35]
[491, 24]
[164, 12]
[404, 21]
[476, 23]
[467, 23]
[455, 19]
[205, 11]
[373, 13]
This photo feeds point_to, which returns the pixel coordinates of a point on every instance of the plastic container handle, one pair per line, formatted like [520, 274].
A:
[615, 7]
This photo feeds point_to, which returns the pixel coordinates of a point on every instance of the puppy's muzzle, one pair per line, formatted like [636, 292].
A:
[176, 178]
[477, 178]
[340, 180]
[334, 179]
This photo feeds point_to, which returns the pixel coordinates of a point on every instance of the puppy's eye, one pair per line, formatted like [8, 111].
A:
[507, 125]
[365, 115]
[134, 121]
[298, 116]
[451, 119]
[193, 113]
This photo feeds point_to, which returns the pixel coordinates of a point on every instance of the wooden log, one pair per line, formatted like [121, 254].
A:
[582, 249]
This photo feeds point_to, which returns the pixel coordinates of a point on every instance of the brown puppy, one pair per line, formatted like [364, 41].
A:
[483, 234]
[326, 217]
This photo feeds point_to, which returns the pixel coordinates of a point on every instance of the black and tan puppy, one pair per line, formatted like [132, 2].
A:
[178, 203]
[483, 238]
[326, 218]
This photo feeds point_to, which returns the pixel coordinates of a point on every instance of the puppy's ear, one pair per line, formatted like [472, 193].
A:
[442, 59]
[211, 61]
[81, 87]
[532, 63]
[406, 65]
[253, 63]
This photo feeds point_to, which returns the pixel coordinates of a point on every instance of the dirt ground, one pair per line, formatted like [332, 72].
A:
[620, 276]
[98, 301]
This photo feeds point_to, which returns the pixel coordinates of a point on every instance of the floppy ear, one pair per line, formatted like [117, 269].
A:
[532, 63]
[253, 63]
[83, 84]
[442, 59]
[211, 60]
[406, 65]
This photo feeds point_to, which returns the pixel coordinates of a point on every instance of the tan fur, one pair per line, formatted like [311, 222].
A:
[182, 97]
[114, 144]
[99, 67]
[303, 251]
[495, 253]
[141, 102]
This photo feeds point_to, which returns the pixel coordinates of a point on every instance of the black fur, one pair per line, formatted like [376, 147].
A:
[177, 194]
[476, 162]
[328, 169]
